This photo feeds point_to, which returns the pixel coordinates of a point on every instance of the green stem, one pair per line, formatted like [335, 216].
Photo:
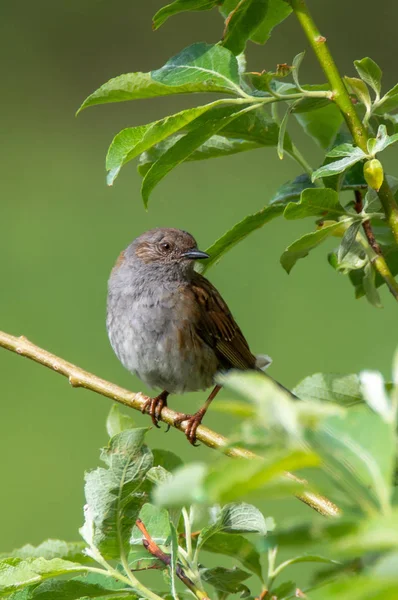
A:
[343, 101]
[188, 536]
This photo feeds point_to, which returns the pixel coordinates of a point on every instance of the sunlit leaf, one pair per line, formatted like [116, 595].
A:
[315, 202]
[370, 73]
[179, 6]
[242, 22]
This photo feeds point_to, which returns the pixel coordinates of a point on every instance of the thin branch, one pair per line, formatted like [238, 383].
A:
[154, 549]
[378, 260]
[80, 378]
[343, 101]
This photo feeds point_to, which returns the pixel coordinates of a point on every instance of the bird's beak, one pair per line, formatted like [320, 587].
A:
[195, 254]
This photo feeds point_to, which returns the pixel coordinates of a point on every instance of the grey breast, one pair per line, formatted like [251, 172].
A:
[152, 340]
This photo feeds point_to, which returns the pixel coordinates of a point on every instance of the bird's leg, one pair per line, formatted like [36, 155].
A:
[153, 406]
[195, 420]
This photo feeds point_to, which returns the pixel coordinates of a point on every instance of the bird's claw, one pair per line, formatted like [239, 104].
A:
[154, 406]
[193, 422]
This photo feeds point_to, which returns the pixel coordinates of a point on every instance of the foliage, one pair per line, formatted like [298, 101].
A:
[245, 117]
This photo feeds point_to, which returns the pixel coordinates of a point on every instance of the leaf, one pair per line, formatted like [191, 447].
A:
[297, 60]
[361, 587]
[370, 73]
[75, 589]
[390, 253]
[238, 233]
[112, 502]
[358, 450]
[198, 68]
[166, 459]
[282, 130]
[139, 559]
[209, 66]
[322, 124]
[329, 387]
[206, 125]
[156, 521]
[360, 90]
[278, 11]
[184, 488]
[117, 421]
[339, 166]
[376, 534]
[348, 240]
[242, 22]
[291, 190]
[225, 580]
[49, 549]
[381, 141]
[315, 202]
[237, 547]
[302, 247]
[369, 286]
[374, 392]
[179, 6]
[132, 141]
[388, 102]
[16, 573]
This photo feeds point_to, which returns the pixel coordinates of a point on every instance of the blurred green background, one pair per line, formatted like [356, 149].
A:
[62, 229]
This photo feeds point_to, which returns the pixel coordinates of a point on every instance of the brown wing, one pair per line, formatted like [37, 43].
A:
[217, 327]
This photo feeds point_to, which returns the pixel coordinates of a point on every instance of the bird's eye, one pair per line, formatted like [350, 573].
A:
[165, 246]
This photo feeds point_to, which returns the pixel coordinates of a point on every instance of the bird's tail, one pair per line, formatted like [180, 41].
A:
[263, 361]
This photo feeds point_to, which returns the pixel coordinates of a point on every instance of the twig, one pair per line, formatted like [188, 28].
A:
[343, 101]
[378, 260]
[80, 378]
[154, 549]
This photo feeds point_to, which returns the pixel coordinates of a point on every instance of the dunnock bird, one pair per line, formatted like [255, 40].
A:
[168, 324]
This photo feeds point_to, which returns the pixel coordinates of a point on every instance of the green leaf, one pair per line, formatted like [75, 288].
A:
[139, 559]
[166, 459]
[390, 253]
[282, 130]
[278, 11]
[16, 573]
[348, 240]
[179, 6]
[360, 90]
[362, 587]
[49, 549]
[184, 488]
[75, 589]
[315, 202]
[322, 124]
[374, 391]
[329, 387]
[358, 450]
[207, 67]
[225, 580]
[238, 233]
[117, 421]
[302, 247]
[381, 141]
[291, 190]
[297, 60]
[198, 68]
[376, 534]
[369, 286]
[339, 166]
[173, 561]
[156, 521]
[132, 141]
[206, 126]
[112, 500]
[388, 102]
[242, 22]
[370, 73]
[237, 547]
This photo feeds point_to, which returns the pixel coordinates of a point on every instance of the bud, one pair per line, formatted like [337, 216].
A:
[373, 173]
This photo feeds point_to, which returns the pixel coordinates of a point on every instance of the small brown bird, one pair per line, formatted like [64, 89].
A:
[168, 324]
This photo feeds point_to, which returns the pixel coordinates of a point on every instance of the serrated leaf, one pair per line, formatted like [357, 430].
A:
[205, 127]
[242, 22]
[330, 387]
[238, 233]
[237, 547]
[156, 521]
[75, 589]
[225, 580]
[348, 240]
[73, 551]
[117, 421]
[139, 559]
[339, 166]
[315, 202]
[302, 247]
[132, 141]
[209, 66]
[16, 573]
[291, 190]
[179, 6]
[112, 502]
[370, 73]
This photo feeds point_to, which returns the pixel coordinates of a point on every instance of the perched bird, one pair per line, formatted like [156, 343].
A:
[168, 324]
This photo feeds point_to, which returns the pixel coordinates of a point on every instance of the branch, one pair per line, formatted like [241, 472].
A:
[154, 549]
[80, 378]
[343, 101]
[378, 260]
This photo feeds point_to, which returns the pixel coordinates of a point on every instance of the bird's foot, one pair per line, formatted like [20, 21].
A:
[193, 422]
[154, 406]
